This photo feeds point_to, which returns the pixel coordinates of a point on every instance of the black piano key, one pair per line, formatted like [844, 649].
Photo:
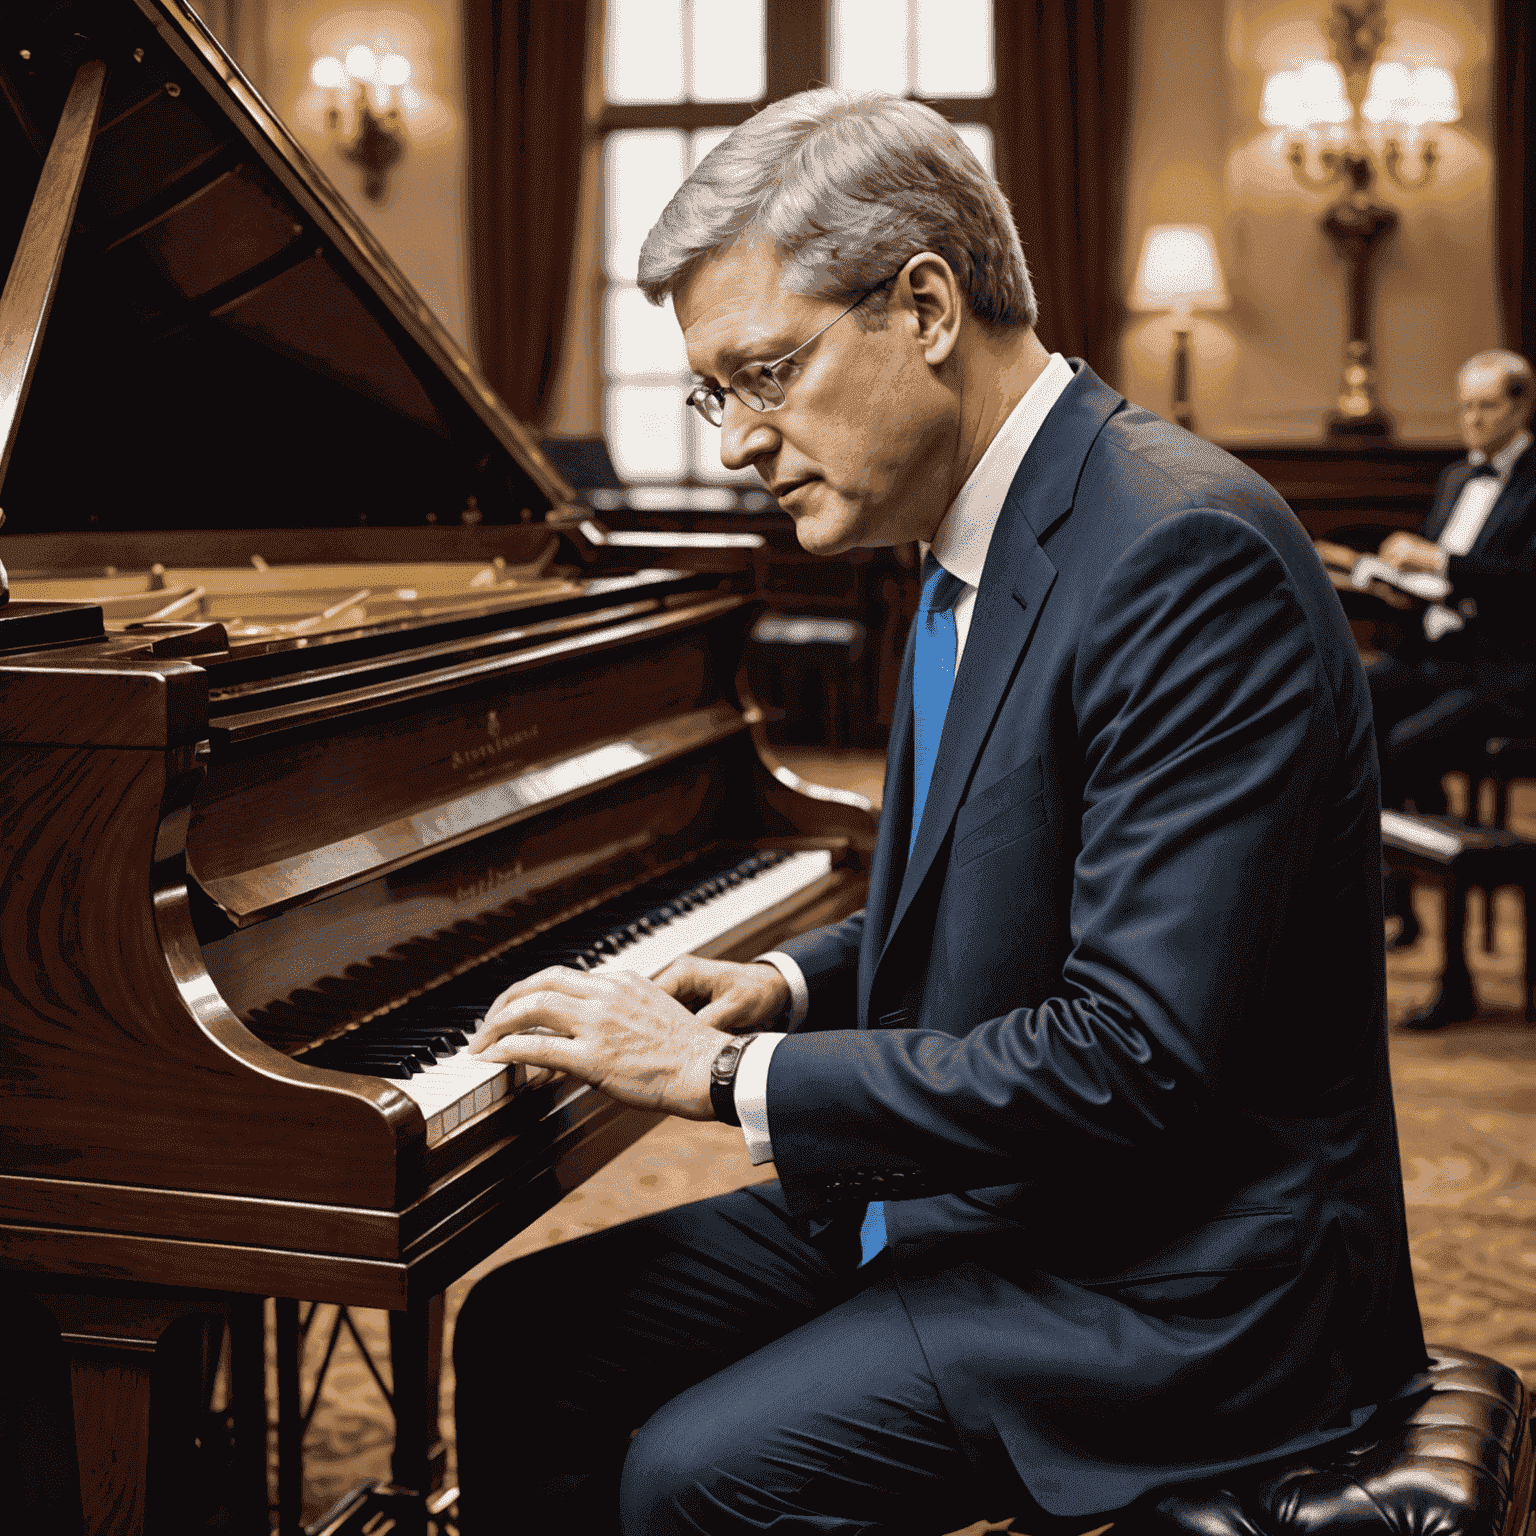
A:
[372, 1066]
[584, 942]
[426, 1036]
[367, 1043]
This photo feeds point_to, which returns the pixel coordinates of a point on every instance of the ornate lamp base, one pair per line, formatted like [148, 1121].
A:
[1359, 412]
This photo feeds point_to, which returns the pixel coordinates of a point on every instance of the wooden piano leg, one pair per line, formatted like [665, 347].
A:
[119, 1349]
[38, 1466]
[416, 1357]
[290, 1419]
[248, 1404]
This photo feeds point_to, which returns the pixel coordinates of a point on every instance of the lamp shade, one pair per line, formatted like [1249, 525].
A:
[1435, 97]
[1389, 98]
[1178, 269]
[1322, 89]
[1412, 97]
[1284, 104]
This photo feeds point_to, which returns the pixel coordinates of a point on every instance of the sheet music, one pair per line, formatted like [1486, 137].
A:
[1422, 584]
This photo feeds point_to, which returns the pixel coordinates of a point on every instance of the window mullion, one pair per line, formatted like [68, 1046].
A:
[797, 45]
[690, 115]
[688, 49]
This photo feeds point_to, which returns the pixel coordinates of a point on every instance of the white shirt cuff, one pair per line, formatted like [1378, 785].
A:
[751, 1094]
[1440, 621]
[794, 979]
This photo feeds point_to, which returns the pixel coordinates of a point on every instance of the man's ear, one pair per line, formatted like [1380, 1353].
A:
[938, 307]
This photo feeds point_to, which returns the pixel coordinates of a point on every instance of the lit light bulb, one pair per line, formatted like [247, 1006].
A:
[394, 69]
[361, 63]
[328, 72]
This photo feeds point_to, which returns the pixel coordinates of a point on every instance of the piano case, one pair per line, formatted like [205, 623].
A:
[348, 724]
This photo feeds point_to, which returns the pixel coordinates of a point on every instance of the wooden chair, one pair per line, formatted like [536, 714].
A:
[1507, 758]
[791, 651]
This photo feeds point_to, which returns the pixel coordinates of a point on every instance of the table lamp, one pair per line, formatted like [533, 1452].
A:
[1179, 271]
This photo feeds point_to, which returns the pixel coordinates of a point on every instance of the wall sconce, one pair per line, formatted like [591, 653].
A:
[1179, 271]
[364, 114]
[1353, 115]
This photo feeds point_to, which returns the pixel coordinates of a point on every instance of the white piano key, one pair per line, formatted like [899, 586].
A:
[451, 1090]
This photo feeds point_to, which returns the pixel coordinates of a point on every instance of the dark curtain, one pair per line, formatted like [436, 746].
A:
[1514, 120]
[525, 78]
[1063, 88]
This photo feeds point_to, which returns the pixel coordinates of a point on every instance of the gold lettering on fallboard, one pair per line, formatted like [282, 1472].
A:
[490, 880]
[497, 745]
[514, 884]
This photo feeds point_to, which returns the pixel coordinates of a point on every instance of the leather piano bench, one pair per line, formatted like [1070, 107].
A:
[1459, 1463]
[1457, 856]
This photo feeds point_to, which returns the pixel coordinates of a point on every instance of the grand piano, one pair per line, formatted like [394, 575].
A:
[320, 722]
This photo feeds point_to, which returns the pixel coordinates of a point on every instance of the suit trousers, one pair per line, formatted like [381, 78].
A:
[1429, 719]
[715, 1369]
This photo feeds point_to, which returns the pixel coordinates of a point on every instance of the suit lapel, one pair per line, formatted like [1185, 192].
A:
[885, 870]
[1513, 504]
[1015, 581]
[1440, 514]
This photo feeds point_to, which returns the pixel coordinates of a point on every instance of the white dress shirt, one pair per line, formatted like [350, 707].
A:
[960, 546]
[1468, 518]
[1465, 524]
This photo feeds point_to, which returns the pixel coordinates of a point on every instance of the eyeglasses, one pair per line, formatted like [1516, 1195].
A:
[755, 384]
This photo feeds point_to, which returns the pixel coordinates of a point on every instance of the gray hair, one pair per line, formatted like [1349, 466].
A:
[849, 186]
[1514, 369]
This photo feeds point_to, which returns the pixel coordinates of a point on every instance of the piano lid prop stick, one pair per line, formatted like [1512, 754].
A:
[34, 275]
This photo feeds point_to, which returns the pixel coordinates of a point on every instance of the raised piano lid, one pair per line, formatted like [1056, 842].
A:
[230, 346]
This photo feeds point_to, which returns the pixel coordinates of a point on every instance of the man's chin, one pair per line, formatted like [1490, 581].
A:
[817, 538]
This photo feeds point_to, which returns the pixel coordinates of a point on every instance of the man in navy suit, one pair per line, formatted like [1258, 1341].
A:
[1469, 670]
[1088, 1180]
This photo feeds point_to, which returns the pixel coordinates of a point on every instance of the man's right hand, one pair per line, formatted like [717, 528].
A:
[724, 994]
[1408, 552]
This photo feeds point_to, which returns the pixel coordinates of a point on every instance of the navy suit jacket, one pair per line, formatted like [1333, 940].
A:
[1111, 1043]
[1498, 574]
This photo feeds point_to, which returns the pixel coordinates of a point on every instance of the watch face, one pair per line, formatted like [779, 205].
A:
[723, 1067]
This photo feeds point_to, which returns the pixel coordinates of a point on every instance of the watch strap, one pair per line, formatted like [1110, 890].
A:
[722, 1078]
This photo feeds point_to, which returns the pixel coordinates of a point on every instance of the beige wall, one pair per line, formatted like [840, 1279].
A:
[1265, 370]
[1268, 368]
[421, 222]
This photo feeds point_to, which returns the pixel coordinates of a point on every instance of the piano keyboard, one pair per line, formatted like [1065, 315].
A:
[423, 1046]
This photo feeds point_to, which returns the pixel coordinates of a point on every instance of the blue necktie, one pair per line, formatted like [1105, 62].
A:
[933, 679]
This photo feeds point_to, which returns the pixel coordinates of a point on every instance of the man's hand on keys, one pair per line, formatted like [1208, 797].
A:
[613, 1029]
[725, 995]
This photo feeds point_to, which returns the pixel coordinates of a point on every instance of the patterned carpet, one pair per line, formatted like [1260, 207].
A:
[1466, 1100]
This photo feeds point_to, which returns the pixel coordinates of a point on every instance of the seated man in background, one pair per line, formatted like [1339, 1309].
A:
[1469, 670]
[1088, 1178]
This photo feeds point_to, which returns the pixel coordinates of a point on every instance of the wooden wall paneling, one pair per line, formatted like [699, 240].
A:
[1338, 489]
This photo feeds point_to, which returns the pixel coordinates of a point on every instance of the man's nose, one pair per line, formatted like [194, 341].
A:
[745, 435]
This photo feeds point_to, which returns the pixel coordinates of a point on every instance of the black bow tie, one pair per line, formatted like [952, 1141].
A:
[1485, 468]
